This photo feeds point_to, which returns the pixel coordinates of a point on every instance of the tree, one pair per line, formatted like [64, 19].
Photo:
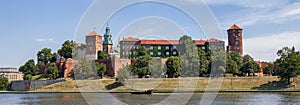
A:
[156, 67]
[203, 61]
[103, 55]
[45, 55]
[52, 72]
[217, 63]
[173, 67]
[29, 68]
[140, 66]
[27, 77]
[231, 67]
[236, 57]
[247, 58]
[141, 51]
[3, 83]
[84, 69]
[101, 69]
[250, 67]
[189, 57]
[68, 49]
[289, 64]
[123, 74]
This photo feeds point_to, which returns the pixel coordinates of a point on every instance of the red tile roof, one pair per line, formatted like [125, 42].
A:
[200, 42]
[93, 34]
[235, 27]
[130, 39]
[213, 40]
[160, 42]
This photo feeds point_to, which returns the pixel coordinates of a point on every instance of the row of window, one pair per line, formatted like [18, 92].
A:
[151, 53]
[159, 47]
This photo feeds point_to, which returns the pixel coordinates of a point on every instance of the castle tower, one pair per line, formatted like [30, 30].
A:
[93, 45]
[107, 42]
[235, 39]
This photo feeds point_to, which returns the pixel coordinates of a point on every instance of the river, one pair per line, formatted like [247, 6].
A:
[160, 98]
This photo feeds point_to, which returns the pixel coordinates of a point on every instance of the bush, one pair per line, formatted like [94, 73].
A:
[3, 83]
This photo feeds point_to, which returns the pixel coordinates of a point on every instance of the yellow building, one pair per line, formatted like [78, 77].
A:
[12, 74]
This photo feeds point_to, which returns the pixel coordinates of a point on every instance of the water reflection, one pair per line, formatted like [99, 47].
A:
[100, 98]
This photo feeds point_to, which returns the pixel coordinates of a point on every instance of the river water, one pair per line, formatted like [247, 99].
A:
[156, 98]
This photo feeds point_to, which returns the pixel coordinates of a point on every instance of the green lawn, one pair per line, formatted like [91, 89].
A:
[169, 84]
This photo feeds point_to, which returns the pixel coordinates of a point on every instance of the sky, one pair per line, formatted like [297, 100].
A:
[27, 26]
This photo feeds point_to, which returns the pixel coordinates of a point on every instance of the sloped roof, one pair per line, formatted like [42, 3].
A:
[159, 42]
[130, 39]
[235, 27]
[94, 33]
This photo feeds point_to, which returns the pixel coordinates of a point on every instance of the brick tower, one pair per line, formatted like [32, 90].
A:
[107, 42]
[93, 45]
[235, 39]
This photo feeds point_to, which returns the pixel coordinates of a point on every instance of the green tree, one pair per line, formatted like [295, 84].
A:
[231, 67]
[29, 68]
[189, 56]
[140, 66]
[103, 55]
[101, 69]
[247, 58]
[250, 67]
[203, 60]
[156, 67]
[123, 74]
[84, 69]
[27, 77]
[173, 67]
[289, 64]
[3, 83]
[141, 51]
[236, 57]
[217, 63]
[44, 55]
[68, 49]
[52, 72]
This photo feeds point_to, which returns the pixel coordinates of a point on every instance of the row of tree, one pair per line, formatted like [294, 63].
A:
[46, 59]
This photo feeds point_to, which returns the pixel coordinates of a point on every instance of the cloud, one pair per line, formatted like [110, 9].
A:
[247, 3]
[265, 48]
[277, 14]
[40, 40]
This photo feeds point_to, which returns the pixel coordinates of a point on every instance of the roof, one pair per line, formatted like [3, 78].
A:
[235, 27]
[94, 33]
[130, 39]
[160, 42]
[200, 42]
[213, 40]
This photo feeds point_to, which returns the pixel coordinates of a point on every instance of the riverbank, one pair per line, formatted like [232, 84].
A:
[179, 85]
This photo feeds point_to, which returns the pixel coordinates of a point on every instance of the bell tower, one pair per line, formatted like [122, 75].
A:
[235, 39]
[107, 42]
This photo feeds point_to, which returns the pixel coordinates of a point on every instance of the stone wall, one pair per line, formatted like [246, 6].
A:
[27, 85]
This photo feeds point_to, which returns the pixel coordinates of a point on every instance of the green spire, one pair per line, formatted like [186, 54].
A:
[107, 37]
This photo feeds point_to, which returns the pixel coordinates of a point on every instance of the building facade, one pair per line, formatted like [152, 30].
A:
[162, 48]
[235, 39]
[12, 74]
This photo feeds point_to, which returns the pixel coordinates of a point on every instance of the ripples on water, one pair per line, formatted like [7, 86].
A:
[105, 98]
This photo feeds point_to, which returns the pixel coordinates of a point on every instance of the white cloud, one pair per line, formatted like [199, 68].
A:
[278, 14]
[44, 40]
[265, 48]
[247, 3]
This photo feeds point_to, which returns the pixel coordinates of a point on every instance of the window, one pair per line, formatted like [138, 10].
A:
[151, 47]
[167, 48]
[174, 47]
[174, 53]
[203, 47]
[167, 53]
[159, 53]
[151, 53]
[159, 47]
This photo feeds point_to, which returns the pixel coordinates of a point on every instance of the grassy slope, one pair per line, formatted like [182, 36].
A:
[168, 84]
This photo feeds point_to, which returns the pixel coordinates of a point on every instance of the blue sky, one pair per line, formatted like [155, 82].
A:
[27, 26]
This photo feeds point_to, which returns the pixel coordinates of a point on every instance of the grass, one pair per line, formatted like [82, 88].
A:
[170, 84]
